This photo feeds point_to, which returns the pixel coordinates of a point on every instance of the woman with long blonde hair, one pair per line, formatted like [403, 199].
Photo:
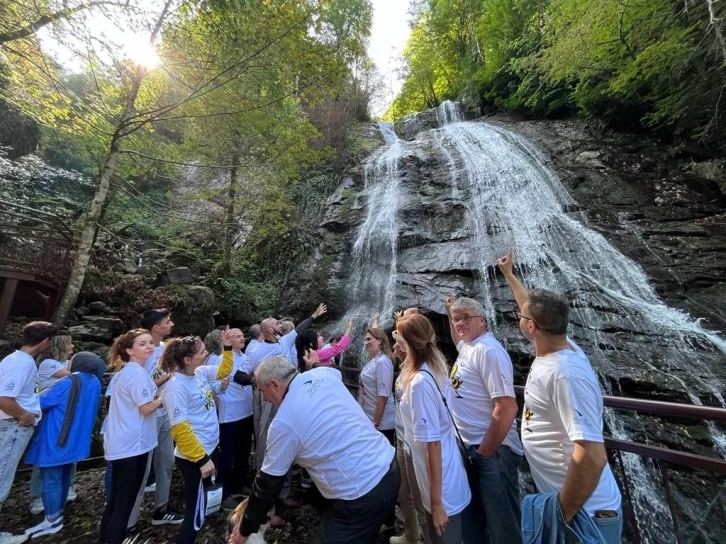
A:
[429, 430]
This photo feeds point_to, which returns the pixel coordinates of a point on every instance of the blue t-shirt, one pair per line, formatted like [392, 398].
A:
[44, 449]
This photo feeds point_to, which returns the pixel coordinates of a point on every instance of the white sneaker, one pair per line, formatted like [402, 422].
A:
[45, 527]
[72, 495]
[150, 488]
[36, 507]
[8, 538]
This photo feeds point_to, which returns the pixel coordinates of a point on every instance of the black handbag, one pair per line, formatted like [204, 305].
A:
[470, 466]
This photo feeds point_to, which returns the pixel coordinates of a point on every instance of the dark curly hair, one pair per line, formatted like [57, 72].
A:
[176, 349]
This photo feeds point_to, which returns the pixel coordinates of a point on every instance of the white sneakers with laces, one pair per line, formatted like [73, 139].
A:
[9, 538]
[36, 507]
[45, 527]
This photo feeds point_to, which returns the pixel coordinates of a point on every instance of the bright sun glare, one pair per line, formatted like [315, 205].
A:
[139, 50]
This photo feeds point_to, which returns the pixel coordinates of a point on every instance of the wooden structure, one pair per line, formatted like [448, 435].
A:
[36, 251]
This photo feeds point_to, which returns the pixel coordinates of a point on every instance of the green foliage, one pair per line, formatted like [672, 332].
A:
[659, 65]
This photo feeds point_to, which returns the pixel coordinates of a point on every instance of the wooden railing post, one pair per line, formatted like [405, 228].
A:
[6, 302]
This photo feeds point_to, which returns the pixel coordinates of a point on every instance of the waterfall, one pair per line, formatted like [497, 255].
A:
[372, 286]
[514, 199]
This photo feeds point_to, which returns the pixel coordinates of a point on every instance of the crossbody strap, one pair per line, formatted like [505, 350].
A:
[446, 405]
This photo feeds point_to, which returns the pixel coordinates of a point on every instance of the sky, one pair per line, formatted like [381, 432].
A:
[388, 39]
[389, 34]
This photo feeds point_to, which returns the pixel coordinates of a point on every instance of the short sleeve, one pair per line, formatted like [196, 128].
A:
[287, 342]
[176, 404]
[384, 378]
[496, 372]
[13, 379]
[142, 390]
[49, 367]
[283, 445]
[579, 404]
[208, 372]
[425, 406]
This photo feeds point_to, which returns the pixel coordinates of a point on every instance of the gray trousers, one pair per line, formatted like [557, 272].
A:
[163, 461]
[13, 441]
[263, 414]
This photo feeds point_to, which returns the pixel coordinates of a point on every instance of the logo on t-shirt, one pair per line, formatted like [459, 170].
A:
[206, 393]
[581, 419]
[455, 379]
[144, 393]
[10, 386]
[527, 417]
[424, 425]
[177, 412]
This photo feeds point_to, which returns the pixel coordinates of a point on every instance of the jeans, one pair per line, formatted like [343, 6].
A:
[235, 444]
[192, 476]
[452, 534]
[127, 476]
[494, 509]
[611, 528]
[358, 521]
[409, 497]
[55, 484]
[13, 441]
[36, 481]
[163, 462]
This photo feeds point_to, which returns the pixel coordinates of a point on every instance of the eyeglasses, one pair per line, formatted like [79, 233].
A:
[522, 316]
[464, 318]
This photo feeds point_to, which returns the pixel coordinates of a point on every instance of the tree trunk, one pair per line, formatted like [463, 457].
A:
[229, 219]
[716, 22]
[91, 220]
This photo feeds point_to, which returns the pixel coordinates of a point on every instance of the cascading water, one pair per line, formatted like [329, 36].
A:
[512, 198]
[373, 283]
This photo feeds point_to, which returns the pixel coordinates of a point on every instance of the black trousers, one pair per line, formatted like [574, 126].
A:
[358, 521]
[127, 477]
[235, 445]
[192, 476]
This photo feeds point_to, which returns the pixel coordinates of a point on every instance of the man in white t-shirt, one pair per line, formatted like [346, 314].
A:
[19, 405]
[256, 339]
[563, 413]
[159, 324]
[484, 408]
[320, 427]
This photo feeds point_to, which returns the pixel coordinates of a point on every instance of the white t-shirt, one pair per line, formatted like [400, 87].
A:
[266, 350]
[292, 350]
[18, 380]
[127, 432]
[425, 419]
[307, 431]
[46, 369]
[376, 380]
[235, 402]
[252, 346]
[563, 403]
[482, 372]
[190, 398]
[152, 367]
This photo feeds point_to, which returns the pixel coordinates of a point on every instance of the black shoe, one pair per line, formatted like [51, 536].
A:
[167, 517]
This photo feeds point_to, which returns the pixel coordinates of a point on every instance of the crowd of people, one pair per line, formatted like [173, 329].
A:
[440, 442]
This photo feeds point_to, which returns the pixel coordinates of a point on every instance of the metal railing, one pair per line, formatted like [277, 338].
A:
[662, 457]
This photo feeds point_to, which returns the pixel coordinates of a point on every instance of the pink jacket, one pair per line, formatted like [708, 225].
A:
[327, 355]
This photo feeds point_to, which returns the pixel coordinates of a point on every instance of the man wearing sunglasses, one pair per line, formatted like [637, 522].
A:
[484, 409]
[563, 413]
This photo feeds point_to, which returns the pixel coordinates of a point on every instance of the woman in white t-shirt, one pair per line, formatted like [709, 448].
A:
[429, 431]
[375, 393]
[130, 430]
[189, 399]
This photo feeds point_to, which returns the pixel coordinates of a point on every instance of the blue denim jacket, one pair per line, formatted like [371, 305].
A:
[542, 523]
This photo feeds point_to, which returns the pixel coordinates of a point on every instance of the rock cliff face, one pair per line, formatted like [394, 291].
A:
[633, 233]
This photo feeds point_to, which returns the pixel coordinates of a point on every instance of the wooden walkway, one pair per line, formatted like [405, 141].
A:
[36, 251]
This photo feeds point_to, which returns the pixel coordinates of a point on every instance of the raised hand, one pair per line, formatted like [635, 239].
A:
[374, 320]
[310, 358]
[506, 263]
[349, 327]
[448, 301]
[227, 336]
[320, 310]
[398, 315]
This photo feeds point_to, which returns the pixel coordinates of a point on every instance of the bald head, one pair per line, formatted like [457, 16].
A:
[269, 328]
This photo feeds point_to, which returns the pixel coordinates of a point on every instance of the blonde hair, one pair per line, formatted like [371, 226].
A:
[60, 349]
[382, 337]
[418, 334]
